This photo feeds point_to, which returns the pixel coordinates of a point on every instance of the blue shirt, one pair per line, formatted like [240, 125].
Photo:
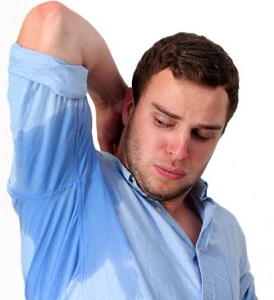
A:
[88, 231]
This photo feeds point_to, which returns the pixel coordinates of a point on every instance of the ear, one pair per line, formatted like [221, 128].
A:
[128, 106]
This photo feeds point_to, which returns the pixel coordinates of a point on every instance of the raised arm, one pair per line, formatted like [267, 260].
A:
[54, 29]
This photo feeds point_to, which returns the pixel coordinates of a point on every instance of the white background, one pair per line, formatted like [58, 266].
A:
[240, 174]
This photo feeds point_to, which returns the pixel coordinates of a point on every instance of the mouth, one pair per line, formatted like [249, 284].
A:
[170, 173]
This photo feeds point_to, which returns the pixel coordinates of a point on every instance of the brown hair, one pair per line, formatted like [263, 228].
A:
[192, 57]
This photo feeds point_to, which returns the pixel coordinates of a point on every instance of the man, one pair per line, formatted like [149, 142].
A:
[137, 224]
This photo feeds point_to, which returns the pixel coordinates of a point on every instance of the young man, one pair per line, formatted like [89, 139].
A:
[137, 224]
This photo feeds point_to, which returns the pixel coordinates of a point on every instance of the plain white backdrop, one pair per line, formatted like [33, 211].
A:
[240, 173]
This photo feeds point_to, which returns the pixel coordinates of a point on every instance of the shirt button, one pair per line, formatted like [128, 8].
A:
[158, 209]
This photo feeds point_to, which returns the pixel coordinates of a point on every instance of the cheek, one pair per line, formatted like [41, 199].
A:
[149, 135]
[151, 143]
[202, 153]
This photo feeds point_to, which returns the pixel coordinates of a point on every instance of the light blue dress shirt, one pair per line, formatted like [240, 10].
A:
[88, 231]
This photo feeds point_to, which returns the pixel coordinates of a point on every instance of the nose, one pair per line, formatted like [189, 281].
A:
[178, 147]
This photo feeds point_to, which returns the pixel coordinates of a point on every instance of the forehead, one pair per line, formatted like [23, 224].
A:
[184, 98]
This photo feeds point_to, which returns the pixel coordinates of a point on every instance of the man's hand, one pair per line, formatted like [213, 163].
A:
[109, 121]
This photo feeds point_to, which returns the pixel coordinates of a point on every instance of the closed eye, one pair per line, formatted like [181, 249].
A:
[162, 124]
[199, 136]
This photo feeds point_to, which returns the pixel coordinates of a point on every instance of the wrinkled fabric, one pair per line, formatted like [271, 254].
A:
[87, 230]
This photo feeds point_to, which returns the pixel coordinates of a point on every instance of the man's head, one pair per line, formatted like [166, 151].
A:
[192, 57]
[185, 89]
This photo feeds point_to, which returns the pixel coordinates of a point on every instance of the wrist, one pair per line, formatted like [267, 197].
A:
[112, 99]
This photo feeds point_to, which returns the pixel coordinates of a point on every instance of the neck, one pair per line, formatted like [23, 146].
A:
[119, 153]
[186, 214]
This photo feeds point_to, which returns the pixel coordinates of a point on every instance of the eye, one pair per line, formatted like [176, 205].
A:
[199, 136]
[161, 123]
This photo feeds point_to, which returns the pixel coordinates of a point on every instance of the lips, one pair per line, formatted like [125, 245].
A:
[170, 173]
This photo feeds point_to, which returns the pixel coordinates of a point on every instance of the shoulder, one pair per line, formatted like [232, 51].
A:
[109, 165]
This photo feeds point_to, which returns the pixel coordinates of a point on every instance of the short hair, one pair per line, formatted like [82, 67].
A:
[192, 57]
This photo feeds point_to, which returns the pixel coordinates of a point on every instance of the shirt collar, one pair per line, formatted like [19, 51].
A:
[200, 190]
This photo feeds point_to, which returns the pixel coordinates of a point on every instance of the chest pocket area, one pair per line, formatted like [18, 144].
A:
[220, 278]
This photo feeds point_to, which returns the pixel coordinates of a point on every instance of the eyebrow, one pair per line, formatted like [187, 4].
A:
[177, 117]
[166, 112]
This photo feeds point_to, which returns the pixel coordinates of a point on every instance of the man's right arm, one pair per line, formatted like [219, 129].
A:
[54, 29]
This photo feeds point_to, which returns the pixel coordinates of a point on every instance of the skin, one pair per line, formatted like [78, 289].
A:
[53, 28]
[169, 138]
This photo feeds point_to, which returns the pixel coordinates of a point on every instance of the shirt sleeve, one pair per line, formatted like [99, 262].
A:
[247, 287]
[50, 123]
